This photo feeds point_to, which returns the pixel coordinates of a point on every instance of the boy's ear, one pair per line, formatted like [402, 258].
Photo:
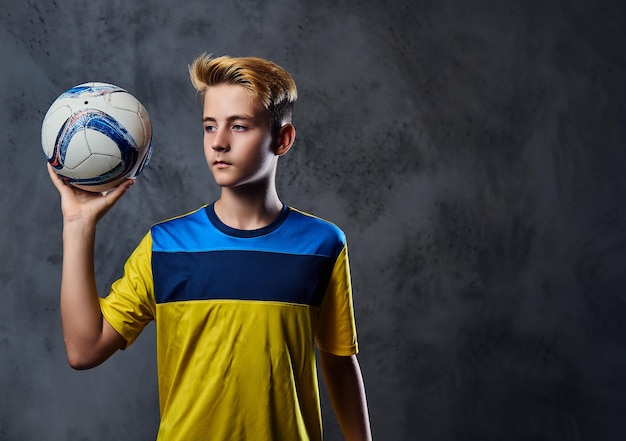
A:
[286, 137]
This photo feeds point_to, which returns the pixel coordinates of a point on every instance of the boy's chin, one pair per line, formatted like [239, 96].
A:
[223, 183]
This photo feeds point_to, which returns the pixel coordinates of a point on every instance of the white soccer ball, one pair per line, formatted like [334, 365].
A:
[95, 135]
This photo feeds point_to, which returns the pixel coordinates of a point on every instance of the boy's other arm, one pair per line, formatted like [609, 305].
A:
[89, 338]
[344, 382]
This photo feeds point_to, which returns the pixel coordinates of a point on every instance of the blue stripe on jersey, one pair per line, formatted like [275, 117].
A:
[240, 275]
[288, 261]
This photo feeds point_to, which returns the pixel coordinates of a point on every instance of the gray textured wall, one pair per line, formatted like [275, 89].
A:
[473, 151]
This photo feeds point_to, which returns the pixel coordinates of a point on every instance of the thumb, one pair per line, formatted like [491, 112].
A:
[112, 196]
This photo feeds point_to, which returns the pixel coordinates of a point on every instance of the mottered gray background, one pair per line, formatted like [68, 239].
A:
[472, 151]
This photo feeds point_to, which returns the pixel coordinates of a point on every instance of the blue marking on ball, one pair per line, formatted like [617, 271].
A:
[90, 90]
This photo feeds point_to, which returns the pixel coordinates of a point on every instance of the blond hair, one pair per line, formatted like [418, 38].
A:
[271, 85]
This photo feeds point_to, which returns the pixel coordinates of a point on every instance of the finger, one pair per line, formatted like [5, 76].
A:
[55, 178]
[114, 195]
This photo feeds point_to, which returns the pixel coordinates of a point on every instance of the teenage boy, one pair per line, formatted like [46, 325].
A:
[240, 290]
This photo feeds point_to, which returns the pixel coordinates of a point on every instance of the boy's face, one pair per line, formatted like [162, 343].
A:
[238, 145]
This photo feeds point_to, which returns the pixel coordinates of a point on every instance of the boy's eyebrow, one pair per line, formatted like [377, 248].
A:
[231, 118]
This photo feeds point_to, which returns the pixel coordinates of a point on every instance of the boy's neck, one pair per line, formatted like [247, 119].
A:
[245, 210]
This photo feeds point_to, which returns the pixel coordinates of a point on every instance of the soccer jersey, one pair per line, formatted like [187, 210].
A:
[237, 313]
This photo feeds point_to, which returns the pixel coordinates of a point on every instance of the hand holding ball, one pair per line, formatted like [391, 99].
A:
[95, 135]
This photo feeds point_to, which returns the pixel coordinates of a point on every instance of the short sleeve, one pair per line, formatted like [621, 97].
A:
[130, 305]
[336, 328]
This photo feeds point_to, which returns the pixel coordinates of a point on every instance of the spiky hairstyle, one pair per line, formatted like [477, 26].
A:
[268, 83]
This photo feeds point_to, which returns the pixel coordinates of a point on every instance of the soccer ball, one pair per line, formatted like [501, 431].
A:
[95, 135]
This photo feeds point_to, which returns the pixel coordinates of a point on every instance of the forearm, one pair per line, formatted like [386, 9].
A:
[345, 386]
[80, 308]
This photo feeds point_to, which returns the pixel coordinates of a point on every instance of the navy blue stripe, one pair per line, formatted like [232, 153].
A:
[240, 275]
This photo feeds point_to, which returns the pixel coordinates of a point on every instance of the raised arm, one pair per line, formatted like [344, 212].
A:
[89, 339]
[344, 382]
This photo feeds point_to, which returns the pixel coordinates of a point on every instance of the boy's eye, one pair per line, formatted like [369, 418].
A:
[209, 128]
[239, 128]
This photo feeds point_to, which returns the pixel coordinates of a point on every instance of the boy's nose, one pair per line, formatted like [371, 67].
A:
[220, 142]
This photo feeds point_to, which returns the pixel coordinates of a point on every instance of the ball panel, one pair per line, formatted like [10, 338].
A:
[98, 188]
[147, 127]
[123, 100]
[100, 166]
[99, 143]
[73, 152]
[129, 122]
[54, 119]
[142, 163]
